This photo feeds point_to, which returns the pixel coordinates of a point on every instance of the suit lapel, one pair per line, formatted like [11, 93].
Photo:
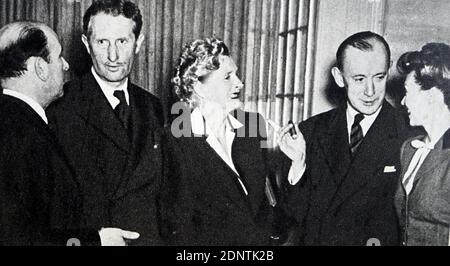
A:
[245, 163]
[140, 121]
[224, 177]
[378, 142]
[97, 112]
[336, 147]
[436, 157]
[408, 154]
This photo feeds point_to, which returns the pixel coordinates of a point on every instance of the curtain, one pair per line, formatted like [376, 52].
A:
[272, 42]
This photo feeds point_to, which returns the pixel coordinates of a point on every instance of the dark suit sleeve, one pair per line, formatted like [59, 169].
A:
[175, 200]
[156, 109]
[295, 199]
[40, 205]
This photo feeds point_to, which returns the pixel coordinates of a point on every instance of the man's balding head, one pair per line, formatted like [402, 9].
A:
[364, 41]
[31, 61]
[20, 41]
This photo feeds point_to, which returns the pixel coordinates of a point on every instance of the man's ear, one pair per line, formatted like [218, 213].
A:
[139, 43]
[41, 67]
[338, 77]
[85, 41]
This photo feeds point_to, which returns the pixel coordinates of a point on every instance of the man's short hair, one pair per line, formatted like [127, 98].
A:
[362, 41]
[31, 42]
[114, 8]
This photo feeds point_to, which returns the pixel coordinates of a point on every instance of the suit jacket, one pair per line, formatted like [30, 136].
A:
[204, 203]
[425, 214]
[119, 176]
[40, 202]
[345, 201]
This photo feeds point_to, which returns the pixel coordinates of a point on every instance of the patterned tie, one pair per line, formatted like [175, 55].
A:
[122, 110]
[356, 135]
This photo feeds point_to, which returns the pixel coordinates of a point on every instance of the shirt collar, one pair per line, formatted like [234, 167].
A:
[352, 112]
[108, 90]
[366, 123]
[200, 128]
[28, 100]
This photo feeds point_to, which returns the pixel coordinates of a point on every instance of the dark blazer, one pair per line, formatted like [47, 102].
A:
[204, 203]
[119, 176]
[39, 196]
[340, 201]
[425, 213]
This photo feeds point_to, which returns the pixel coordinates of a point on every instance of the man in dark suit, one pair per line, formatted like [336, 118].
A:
[345, 196]
[39, 195]
[105, 124]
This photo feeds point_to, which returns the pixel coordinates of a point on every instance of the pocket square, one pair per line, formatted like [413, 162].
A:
[390, 169]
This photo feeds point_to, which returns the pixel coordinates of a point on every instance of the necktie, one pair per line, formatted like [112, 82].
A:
[356, 135]
[422, 151]
[122, 110]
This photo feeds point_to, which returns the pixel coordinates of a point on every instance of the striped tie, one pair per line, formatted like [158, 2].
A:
[356, 135]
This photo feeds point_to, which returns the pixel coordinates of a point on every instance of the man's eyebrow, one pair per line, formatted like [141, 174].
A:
[381, 73]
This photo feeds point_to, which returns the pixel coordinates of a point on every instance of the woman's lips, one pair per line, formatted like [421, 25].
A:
[236, 95]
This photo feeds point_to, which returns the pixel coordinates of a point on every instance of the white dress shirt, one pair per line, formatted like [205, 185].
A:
[366, 123]
[32, 103]
[201, 128]
[109, 90]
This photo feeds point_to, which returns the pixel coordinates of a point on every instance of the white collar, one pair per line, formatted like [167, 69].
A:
[201, 128]
[109, 90]
[28, 100]
[366, 123]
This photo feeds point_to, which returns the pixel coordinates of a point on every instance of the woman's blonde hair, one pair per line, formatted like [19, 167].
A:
[197, 60]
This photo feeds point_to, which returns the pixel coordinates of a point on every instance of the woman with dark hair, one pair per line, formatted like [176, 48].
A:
[423, 196]
[215, 180]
